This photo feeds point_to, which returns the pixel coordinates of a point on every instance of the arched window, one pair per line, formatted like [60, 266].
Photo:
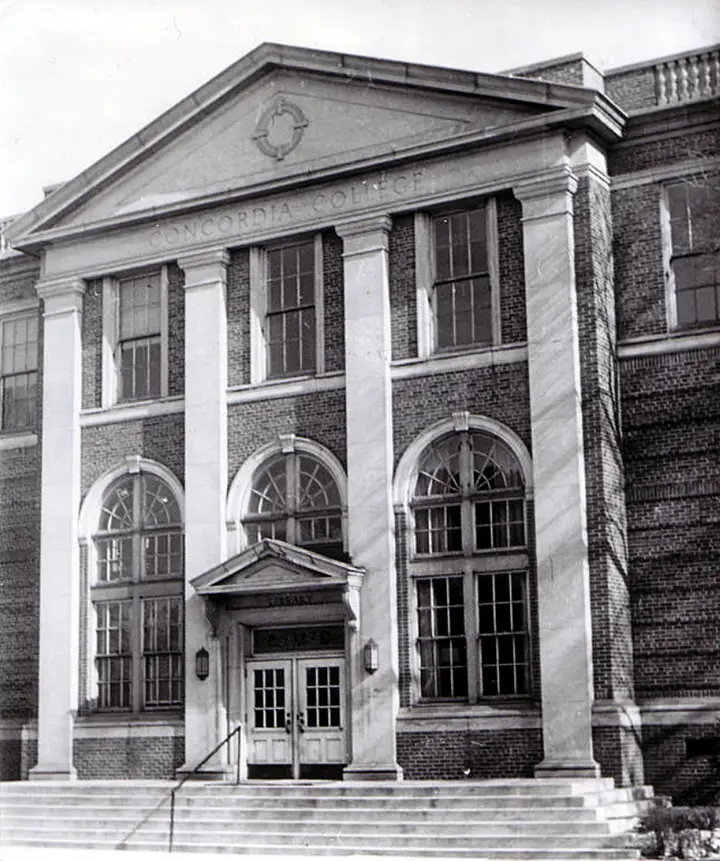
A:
[469, 568]
[469, 496]
[294, 497]
[137, 595]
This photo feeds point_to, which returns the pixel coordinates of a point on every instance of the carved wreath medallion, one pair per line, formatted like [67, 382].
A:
[280, 129]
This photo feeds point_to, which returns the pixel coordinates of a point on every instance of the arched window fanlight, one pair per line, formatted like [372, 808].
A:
[295, 498]
[469, 496]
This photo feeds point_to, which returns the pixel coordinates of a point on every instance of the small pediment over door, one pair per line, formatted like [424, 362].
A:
[282, 575]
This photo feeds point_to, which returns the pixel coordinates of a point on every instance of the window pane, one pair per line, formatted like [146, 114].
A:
[140, 306]
[113, 661]
[162, 651]
[140, 368]
[18, 377]
[462, 304]
[438, 529]
[502, 620]
[441, 641]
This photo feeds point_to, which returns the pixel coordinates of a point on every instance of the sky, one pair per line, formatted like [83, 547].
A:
[77, 77]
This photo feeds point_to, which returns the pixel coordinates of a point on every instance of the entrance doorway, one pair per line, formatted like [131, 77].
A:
[296, 718]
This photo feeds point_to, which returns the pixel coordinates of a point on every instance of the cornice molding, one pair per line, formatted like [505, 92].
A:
[665, 172]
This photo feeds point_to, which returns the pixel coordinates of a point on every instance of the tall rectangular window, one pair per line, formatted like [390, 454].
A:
[441, 638]
[114, 654]
[162, 651]
[502, 634]
[290, 321]
[498, 630]
[139, 348]
[18, 372]
[694, 213]
[461, 280]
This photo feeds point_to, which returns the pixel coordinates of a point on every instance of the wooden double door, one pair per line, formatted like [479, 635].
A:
[296, 717]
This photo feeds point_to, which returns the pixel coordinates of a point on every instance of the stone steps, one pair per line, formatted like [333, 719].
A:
[486, 819]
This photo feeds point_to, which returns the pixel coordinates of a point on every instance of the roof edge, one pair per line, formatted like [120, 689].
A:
[271, 55]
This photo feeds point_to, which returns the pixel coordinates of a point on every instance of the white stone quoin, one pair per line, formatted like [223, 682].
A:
[205, 490]
[559, 476]
[59, 555]
[371, 537]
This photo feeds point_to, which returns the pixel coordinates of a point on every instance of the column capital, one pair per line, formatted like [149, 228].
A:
[206, 266]
[364, 234]
[61, 295]
[547, 184]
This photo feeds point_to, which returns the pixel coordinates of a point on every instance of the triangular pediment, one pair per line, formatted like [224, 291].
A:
[289, 114]
[275, 566]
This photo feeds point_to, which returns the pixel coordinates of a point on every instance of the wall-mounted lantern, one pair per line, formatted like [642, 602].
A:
[371, 660]
[202, 664]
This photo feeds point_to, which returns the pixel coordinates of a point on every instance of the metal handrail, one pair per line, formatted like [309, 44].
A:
[178, 786]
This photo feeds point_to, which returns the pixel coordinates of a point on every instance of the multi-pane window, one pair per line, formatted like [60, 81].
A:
[470, 532]
[694, 209]
[18, 372]
[290, 321]
[137, 596]
[441, 637]
[295, 498]
[461, 280]
[139, 346]
[469, 497]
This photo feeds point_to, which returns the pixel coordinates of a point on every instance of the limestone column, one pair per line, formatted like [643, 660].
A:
[559, 477]
[370, 512]
[205, 490]
[60, 505]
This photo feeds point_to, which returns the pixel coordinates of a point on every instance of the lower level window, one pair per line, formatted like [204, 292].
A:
[157, 667]
[470, 650]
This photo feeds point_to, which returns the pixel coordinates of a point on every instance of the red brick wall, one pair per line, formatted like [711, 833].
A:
[689, 780]
[128, 759]
[319, 416]
[160, 438]
[633, 89]
[638, 257]
[638, 153]
[671, 419]
[403, 290]
[498, 391]
[511, 251]
[92, 338]
[238, 317]
[20, 540]
[176, 330]
[334, 299]
[474, 755]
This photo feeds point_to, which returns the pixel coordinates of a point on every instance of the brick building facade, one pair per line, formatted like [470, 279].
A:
[372, 408]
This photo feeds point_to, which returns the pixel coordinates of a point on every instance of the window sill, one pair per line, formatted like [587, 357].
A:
[131, 410]
[17, 439]
[439, 363]
[282, 387]
[522, 713]
[677, 340]
[124, 725]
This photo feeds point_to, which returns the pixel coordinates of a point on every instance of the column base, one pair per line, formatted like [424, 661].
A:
[568, 768]
[59, 771]
[375, 771]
